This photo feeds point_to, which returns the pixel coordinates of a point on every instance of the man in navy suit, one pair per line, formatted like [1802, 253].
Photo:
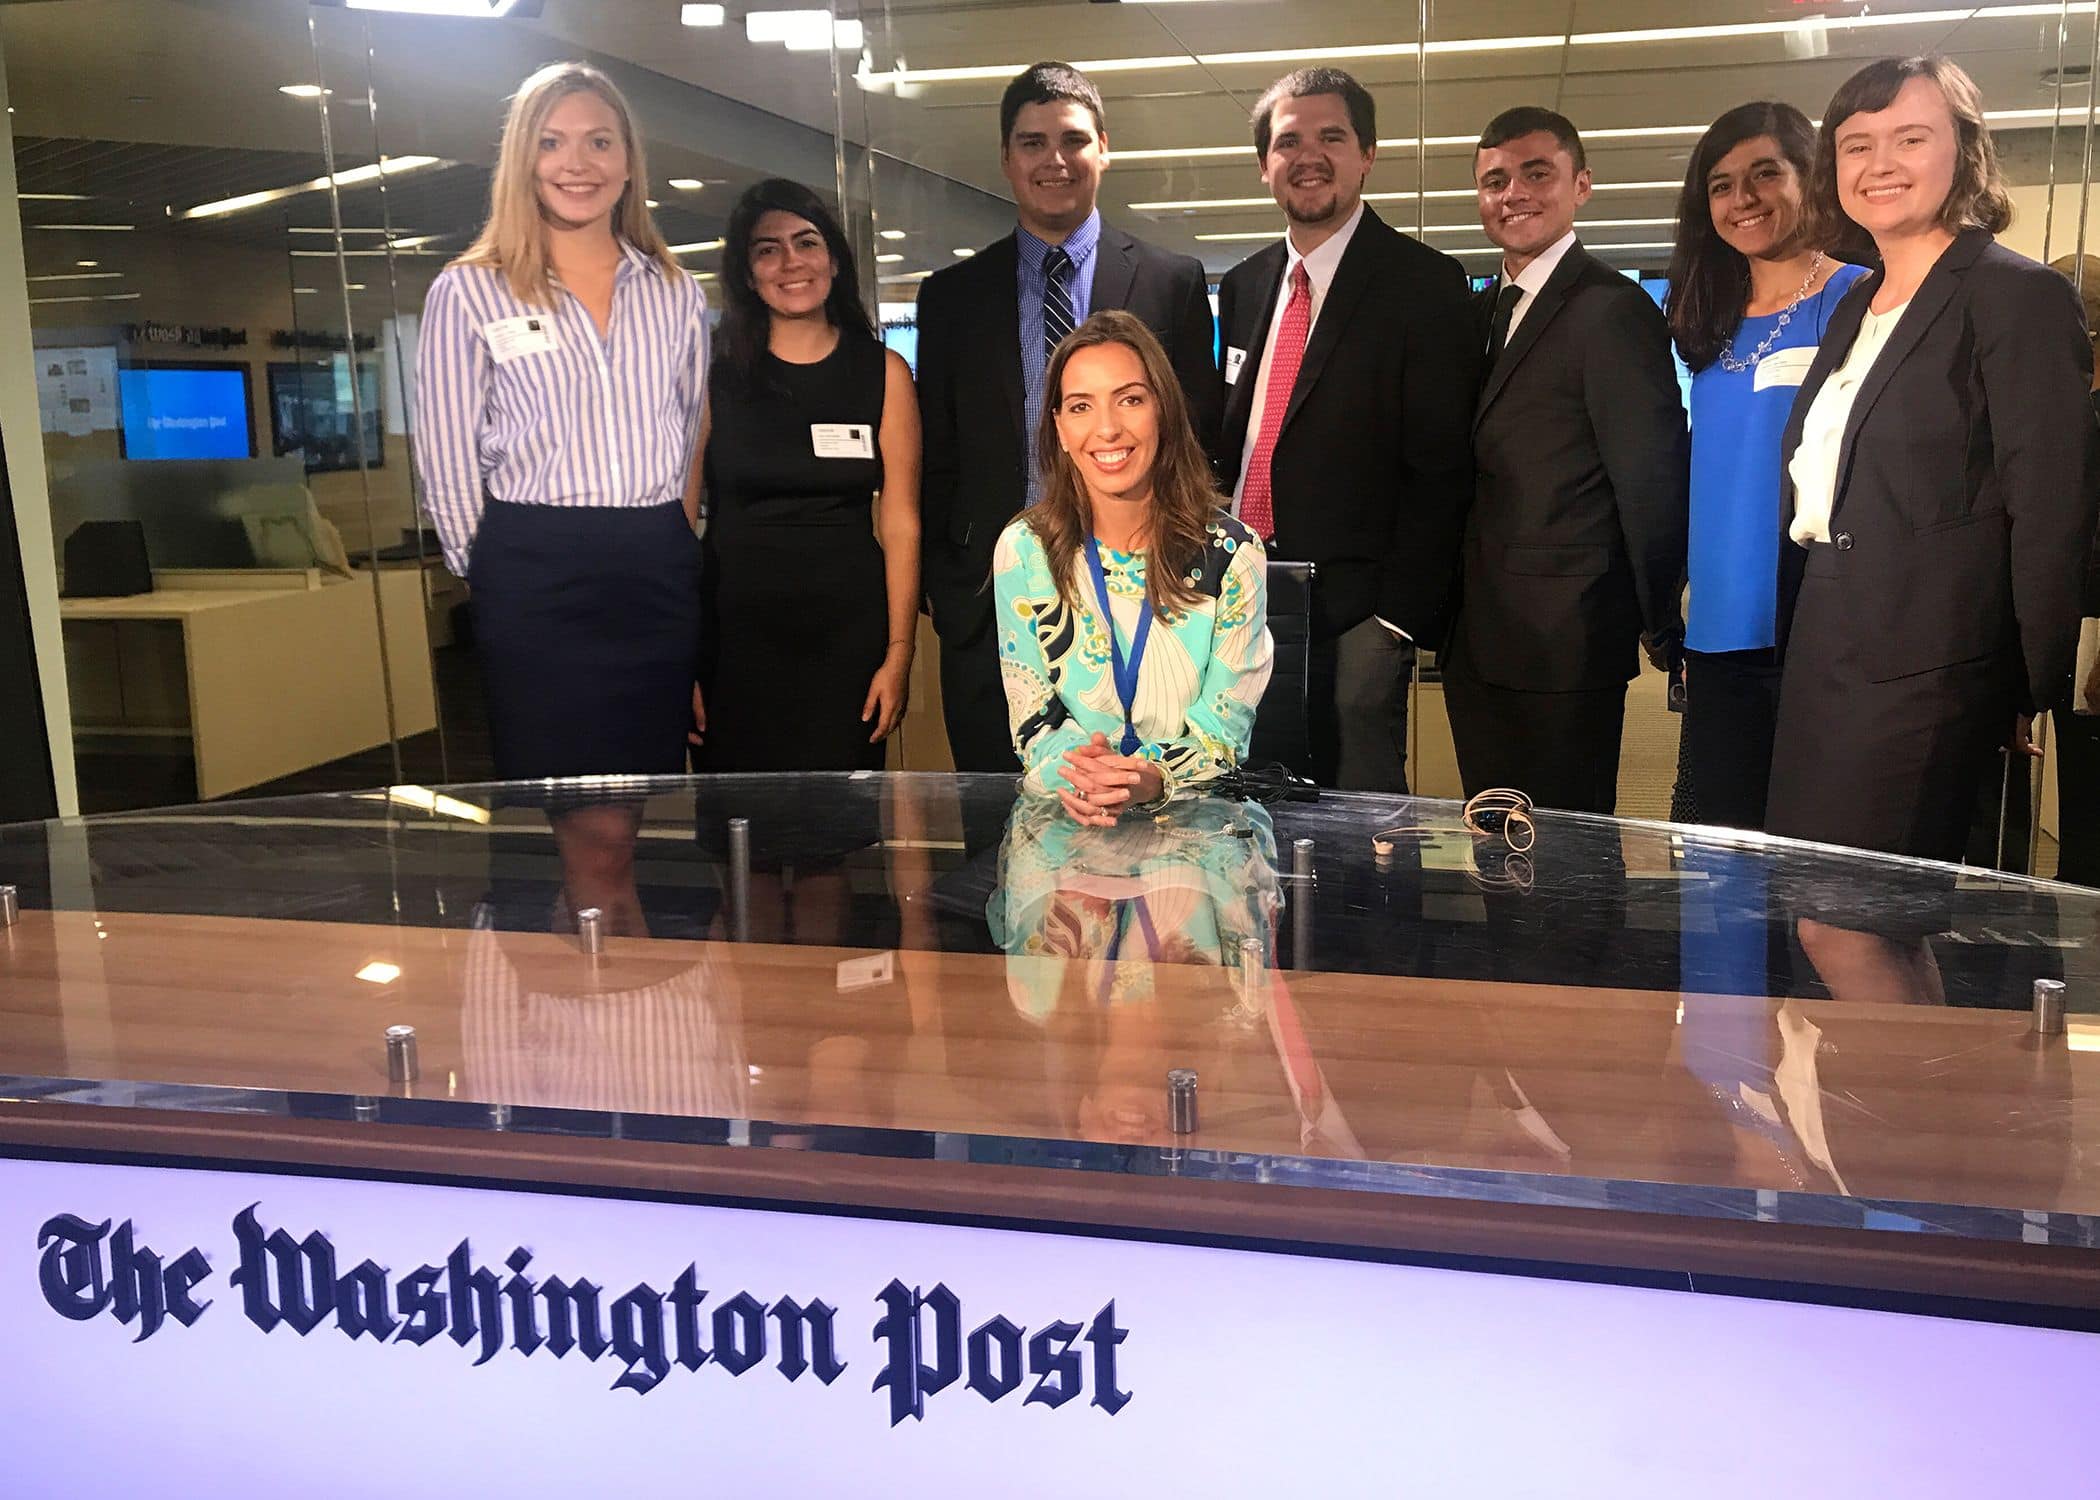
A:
[986, 329]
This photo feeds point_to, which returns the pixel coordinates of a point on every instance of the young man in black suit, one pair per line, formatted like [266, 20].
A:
[1575, 547]
[1351, 360]
[986, 326]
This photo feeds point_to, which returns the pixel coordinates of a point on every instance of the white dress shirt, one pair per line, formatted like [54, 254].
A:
[1814, 465]
[1320, 267]
[1533, 278]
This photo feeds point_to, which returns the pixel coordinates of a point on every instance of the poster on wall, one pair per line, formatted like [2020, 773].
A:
[258, 1333]
[76, 390]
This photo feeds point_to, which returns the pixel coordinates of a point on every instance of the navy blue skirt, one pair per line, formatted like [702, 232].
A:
[588, 623]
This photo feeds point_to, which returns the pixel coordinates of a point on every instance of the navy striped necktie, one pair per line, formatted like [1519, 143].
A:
[1058, 318]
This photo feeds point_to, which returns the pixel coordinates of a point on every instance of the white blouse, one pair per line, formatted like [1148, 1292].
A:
[1814, 465]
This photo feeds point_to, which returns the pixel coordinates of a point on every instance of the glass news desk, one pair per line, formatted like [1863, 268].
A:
[818, 1130]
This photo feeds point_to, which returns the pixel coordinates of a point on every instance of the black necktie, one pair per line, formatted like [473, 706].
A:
[1506, 302]
[1057, 300]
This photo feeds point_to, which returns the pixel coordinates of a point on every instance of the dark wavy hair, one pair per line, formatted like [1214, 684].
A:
[1304, 84]
[746, 320]
[1523, 119]
[1709, 279]
[1977, 199]
[1184, 495]
[1049, 83]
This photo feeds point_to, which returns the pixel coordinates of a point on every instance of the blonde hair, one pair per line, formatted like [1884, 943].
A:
[514, 239]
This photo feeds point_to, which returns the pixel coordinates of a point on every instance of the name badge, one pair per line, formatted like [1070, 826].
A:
[514, 338]
[1234, 358]
[1783, 367]
[842, 439]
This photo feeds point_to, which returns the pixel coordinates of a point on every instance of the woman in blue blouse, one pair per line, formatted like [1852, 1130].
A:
[1749, 298]
[1133, 627]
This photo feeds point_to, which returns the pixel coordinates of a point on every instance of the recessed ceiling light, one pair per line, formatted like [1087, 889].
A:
[111, 227]
[687, 184]
[357, 176]
[697, 247]
[805, 30]
[81, 276]
[887, 260]
[488, 9]
[963, 252]
[379, 972]
[892, 234]
[85, 264]
[302, 90]
[877, 81]
[53, 197]
[702, 15]
[651, 203]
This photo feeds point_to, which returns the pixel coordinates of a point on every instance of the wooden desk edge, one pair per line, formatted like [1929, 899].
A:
[1837, 1260]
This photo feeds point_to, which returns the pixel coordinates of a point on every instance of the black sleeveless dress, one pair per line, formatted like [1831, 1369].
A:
[795, 607]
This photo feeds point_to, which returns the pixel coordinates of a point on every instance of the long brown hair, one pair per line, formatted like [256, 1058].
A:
[1184, 496]
[514, 240]
[1709, 278]
[1976, 200]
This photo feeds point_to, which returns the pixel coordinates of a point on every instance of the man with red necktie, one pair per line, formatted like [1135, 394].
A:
[1352, 357]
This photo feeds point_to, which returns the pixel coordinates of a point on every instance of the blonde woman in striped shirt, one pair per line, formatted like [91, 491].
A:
[560, 391]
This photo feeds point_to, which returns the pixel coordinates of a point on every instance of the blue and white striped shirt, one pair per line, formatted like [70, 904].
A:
[1030, 286]
[547, 413]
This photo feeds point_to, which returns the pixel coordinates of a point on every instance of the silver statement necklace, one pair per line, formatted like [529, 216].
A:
[1736, 366]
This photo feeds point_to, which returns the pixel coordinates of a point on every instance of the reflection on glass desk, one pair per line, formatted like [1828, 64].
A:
[838, 1107]
[1631, 1016]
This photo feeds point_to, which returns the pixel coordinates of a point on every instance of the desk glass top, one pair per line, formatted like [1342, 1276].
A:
[1626, 1015]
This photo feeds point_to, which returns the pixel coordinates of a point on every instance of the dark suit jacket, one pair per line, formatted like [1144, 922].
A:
[1967, 479]
[970, 398]
[1372, 472]
[1575, 548]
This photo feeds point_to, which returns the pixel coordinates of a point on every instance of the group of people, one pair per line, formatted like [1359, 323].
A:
[1884, 502]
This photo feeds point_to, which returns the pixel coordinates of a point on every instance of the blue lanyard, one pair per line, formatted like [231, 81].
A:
[1115, 942]
[1126, 672]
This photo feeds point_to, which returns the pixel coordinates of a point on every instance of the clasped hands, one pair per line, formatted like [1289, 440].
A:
[1100, 784]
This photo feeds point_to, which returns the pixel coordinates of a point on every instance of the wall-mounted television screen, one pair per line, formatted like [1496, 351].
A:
[184, 410]
[312, 411]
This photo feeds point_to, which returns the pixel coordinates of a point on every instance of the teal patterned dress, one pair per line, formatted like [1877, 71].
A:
[1202, 676]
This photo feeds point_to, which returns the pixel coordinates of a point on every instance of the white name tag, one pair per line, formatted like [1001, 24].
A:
[866, 973]
[1783, 367]
[842, 439]
[1234, 358]
[514, 338]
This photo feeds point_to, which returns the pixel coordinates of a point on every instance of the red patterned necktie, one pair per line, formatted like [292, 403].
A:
[1257, 511]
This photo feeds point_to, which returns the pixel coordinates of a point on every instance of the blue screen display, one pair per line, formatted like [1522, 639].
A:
[178, 413]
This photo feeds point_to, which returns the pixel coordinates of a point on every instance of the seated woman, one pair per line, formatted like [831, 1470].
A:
[1133, 629]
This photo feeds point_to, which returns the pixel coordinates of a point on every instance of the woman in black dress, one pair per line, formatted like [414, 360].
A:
[810, 610]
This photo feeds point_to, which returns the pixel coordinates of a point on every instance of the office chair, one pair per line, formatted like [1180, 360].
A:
[1283, 722]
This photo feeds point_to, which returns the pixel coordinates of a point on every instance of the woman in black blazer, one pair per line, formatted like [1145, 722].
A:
[1940, 467]
[1940, 472]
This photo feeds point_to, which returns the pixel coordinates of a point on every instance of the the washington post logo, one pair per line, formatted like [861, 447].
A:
[920, 1346]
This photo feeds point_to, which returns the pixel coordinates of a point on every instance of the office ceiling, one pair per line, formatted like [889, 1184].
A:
[153, 106]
